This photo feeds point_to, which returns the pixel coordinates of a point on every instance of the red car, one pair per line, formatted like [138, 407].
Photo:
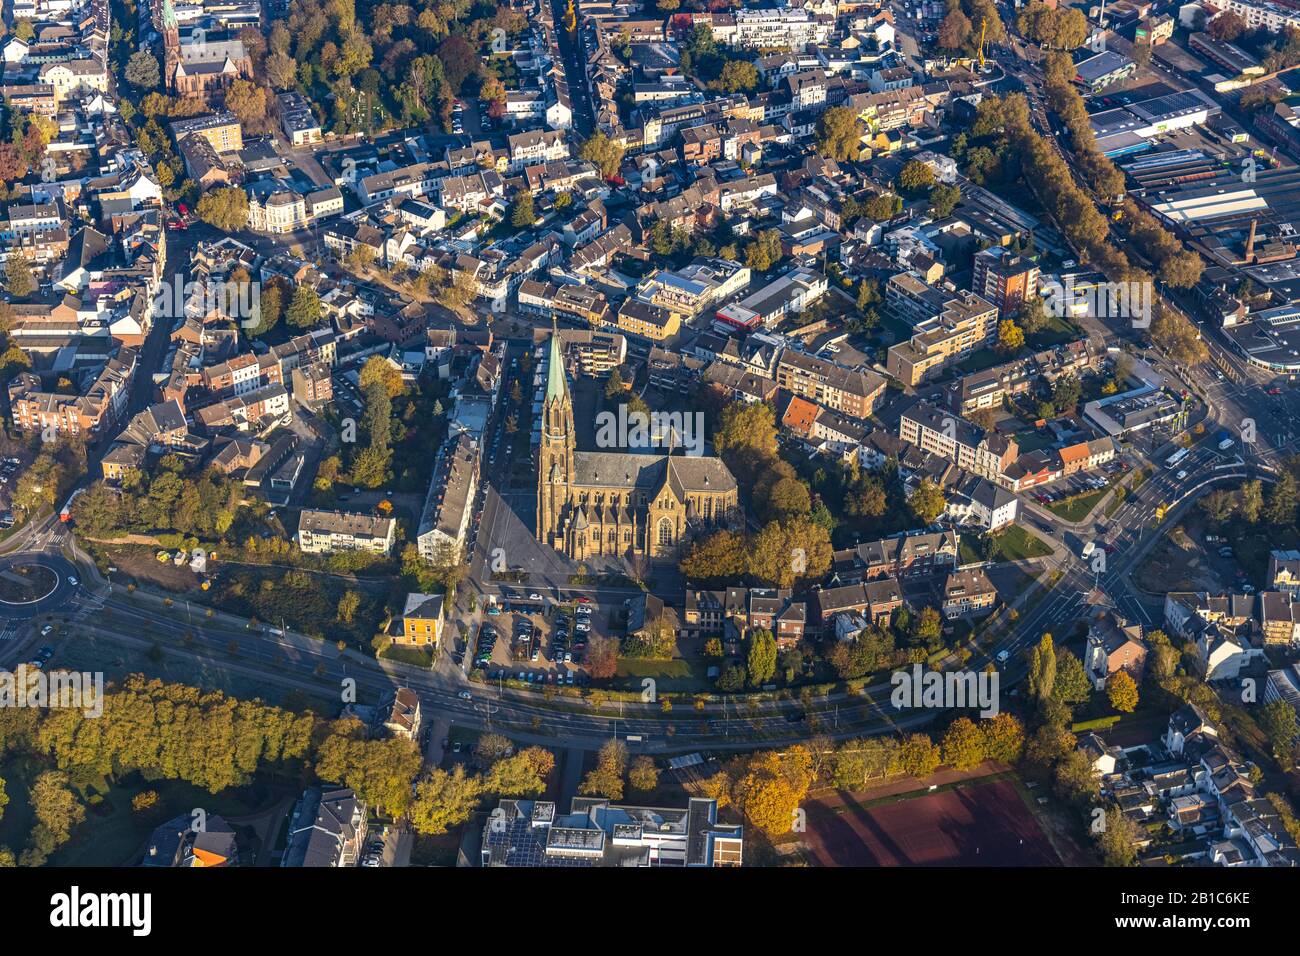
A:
[582, 600]
[1275, 390]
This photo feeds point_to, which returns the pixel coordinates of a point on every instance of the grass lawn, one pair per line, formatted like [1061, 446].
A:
[1031, 440]
[1078, 507]
[981, 359]
[113, 832]
[1011, 544]
[1057, 330]
[672, 675]
[415, 656]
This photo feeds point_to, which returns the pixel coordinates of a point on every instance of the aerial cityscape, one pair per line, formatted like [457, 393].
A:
[662, 433]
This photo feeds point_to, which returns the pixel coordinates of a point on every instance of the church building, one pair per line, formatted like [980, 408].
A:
[618, 504]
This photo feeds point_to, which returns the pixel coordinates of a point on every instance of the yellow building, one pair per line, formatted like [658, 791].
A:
[421, 620]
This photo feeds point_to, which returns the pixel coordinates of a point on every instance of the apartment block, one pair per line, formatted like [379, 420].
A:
[941, 433]
[851, 391]
[965, 324]
[448, 507]
[1004, 279]
[324, 532]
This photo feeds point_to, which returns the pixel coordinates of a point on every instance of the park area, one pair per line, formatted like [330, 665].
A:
[976, 823]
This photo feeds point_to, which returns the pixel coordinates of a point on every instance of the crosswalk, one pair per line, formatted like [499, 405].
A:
[8, 631]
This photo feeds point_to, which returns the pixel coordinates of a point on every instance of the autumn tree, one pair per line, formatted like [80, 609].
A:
[643, 775]
[964, 745]
[955, 30]
[1042, 668]
[444, 800]
[602, 152]
[606, 779]
[769, 791]
[918, 757]
[839, 133]
[1010, 338]
[1122, 692]
[602, 657]
[1004, 738]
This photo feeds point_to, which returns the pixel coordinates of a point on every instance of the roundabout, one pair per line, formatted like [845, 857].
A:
[32, 584]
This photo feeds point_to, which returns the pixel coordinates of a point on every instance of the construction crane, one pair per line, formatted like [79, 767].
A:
[984, 24]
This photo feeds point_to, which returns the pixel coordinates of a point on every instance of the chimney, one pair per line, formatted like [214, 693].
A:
[1250, 242]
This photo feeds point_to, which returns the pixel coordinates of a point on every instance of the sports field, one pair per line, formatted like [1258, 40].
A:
[980, 824]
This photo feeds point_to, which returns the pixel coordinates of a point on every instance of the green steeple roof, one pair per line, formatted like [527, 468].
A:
[556, 389]
[168, 15]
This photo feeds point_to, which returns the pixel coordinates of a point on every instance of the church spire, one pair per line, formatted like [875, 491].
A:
[556, 388]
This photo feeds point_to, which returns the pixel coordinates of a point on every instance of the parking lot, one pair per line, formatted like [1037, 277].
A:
[1080, 483]
[537, 643]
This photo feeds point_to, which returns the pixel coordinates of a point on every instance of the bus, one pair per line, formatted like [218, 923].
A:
[1176, 458]
[65, 514]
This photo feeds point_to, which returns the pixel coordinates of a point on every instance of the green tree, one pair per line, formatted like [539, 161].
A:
[1042, 668]
[603, 152]
[915, 177]
[927, 501]
[225, 209]
[944, 199]
[304, 308]
[19, 281]
[142, 70]
[1278, 721]
[1072, 685]
[522, 213]
[761, 660]
[1117, 839]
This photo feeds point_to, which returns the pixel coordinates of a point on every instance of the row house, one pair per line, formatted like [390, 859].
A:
[968, 593]
[739, 384]
[737, 611]
[325, 532]
[241, 374]
[909, 555]
[536, 146]
[853, 392]
[987, 454]
[52, 414]
[415, 181]
[875, 601]
[471, 193]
